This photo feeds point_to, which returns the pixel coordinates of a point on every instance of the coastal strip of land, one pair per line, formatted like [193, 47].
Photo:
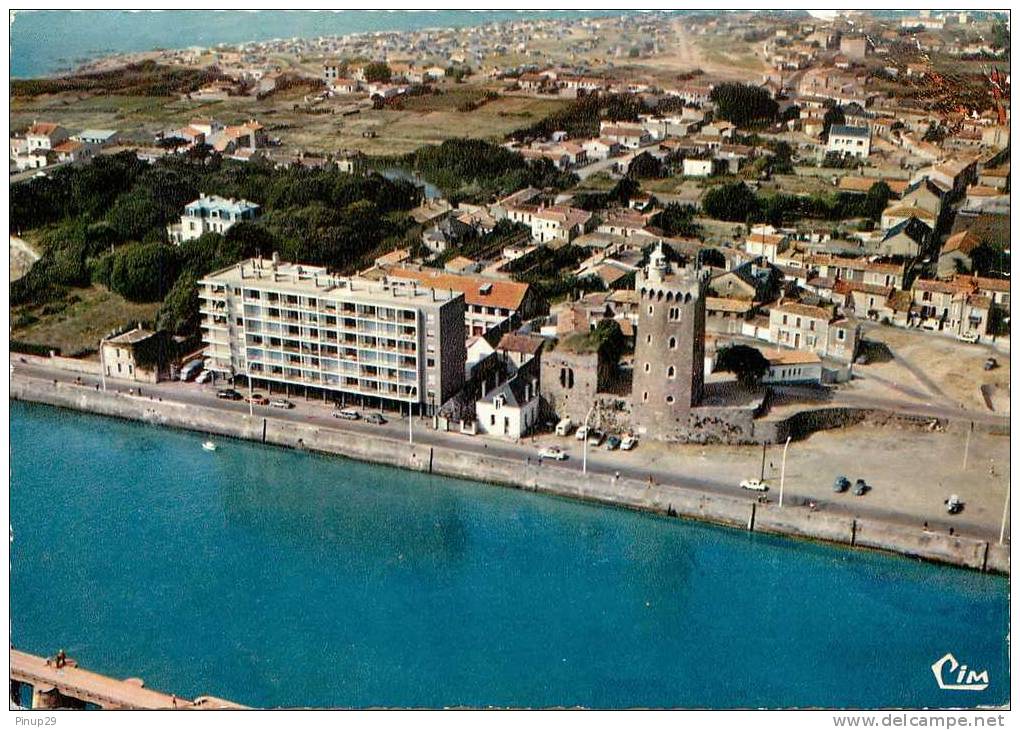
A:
[676, 498]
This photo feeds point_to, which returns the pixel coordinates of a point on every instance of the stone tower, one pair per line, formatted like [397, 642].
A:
[669, 355]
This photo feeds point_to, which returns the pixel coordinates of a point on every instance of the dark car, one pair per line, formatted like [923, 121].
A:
[257, 399]
[376, 418]
[228, 394]
[991, 363]
[841, 484]
[860, 487]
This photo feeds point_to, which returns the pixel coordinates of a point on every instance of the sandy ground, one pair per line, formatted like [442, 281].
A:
[22, 257]
[930, 367]
[911, 471]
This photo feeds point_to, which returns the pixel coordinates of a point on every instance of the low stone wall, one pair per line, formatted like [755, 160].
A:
[742, 513]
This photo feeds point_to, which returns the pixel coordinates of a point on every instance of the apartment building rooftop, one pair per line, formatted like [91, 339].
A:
[295, 278]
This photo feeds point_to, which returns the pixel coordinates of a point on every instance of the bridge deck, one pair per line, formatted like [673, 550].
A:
[72, 681]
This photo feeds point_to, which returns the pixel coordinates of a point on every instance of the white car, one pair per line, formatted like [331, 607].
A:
[755, 485]
[204, 377]
[971, 337]
[581, 433]
[552, 452]
[628, 443]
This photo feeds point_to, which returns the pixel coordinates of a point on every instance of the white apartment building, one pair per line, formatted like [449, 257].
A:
[386, 343]
[210, 214]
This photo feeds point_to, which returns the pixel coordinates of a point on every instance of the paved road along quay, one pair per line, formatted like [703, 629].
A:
[454, 454]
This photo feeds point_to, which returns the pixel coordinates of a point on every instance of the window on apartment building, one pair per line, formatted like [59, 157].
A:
[811, 325]
[430, 362]
[784, 319]
[798, 321]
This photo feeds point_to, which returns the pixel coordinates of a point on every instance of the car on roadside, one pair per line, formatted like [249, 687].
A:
[991, 363]
[971, 337]
[840, 484]
[861, 487]
[755, 485]
[346, 414]
[228, 394]
[581, 434]
[595, 438]
[552, 452]
[204, 377]
[281, 403]
[256, 399]
[628, 443]
[375, 418]
[613, 443]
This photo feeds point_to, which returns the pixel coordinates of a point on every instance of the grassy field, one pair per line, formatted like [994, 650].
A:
[425, 120]
[89, 315]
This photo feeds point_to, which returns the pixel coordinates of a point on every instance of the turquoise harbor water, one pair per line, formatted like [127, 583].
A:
[277, 578]
[48, 42]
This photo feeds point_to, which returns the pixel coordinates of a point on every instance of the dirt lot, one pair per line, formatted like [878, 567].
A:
[82, 323]
[425, 120]
[911, 471]
[931, 367]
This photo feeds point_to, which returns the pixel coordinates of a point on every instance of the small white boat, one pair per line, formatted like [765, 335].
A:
[209, 446]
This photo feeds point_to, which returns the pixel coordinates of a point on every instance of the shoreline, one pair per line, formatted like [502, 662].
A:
[663, 499]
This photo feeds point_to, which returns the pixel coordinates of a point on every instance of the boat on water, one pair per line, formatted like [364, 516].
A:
[209, 446]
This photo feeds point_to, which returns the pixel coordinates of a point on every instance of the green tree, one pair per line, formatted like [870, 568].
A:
[833, 115]
[744, 104]
[677, 219]
[144, 272]
[747, 363]
[179, 312]
[731, 202]
[378, 72]
[645, 166]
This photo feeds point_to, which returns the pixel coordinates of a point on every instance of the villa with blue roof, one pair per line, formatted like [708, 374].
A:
[849, 141]
[210, 214]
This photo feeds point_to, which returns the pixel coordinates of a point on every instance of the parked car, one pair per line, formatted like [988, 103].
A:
[376, 418]
[347, 414]
[281, 403]
[628, 443]
[552, 452]
[953, 504]
[582, 433]
[204, 377]
[841, 484]
[755, 485]
[613, 443]
[228, 394]
[991, 363]
[564, 427]
[595, 438]
[257, 399]
[190, 370]
[860, 487]
[971, 337]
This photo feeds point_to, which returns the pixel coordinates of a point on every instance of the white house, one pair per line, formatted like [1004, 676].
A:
[210, 213]
[849, 141]
[509, 410]
[696, 167]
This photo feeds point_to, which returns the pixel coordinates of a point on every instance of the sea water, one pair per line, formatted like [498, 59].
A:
[279, 578]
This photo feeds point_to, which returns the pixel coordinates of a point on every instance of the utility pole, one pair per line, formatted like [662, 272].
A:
[782, 471]
[251, 400]
[966, 445]
[410, 425]
[763, 447]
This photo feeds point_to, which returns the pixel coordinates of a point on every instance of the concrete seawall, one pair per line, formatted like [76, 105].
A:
[741, 513]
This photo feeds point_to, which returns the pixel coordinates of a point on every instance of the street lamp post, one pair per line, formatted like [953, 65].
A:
[584, 458]
[410, 425]
[1005, 516]
[782, 471]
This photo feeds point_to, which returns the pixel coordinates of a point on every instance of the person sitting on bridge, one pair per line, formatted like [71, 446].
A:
[61, 659]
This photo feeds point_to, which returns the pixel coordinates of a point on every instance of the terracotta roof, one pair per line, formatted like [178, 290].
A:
[804, 310]
[908, 211]
[899, 301]
[984, 282]
[790, 357]
[497, 293]
[964, 241]
[43, 129]
[520, 342]
[726, 304]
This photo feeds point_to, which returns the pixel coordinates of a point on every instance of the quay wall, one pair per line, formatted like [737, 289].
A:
[673, 500]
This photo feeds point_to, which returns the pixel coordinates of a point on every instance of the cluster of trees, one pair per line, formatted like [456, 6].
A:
[106, 224]
[677, 219]
[620, 194]
[744, 104]
[737, 202]
[468, 168]
[378, 72]
[146, 78]
[582, 117]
